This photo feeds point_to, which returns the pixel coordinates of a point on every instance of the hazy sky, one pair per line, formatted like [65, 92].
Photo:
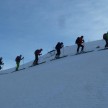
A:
[26, 25]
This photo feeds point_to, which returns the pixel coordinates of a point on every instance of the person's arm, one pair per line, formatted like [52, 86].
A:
[22, 58]
[83, 41]
[40, 54]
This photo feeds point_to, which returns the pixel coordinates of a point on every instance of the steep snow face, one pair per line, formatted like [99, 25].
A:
[79, 81]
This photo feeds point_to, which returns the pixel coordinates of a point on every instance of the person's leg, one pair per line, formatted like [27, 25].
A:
[106, 43]
[36, 60]
[78, 46]
[17, 66]
[57, 54]
[82, 48]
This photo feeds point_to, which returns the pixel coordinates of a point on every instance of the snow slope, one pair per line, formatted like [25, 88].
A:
[79, 81]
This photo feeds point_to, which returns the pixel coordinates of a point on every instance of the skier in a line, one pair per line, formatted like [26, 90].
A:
[58, 48]
[105, 37]
[37, 54]
[79, 41]
[18, 59]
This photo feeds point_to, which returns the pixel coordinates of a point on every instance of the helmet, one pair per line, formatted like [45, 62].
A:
[82, 36]
[20, 55]
[61, 42]
[41, 49]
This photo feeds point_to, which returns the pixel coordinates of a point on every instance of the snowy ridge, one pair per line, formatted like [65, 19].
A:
[79, 81]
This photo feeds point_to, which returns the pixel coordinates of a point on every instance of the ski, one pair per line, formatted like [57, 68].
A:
[103, 49]
[59, 57]
[18, 70]
[83, 52]
[38, 64]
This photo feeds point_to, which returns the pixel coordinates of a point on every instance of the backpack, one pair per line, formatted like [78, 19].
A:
[77, 40]
[104, 36]
[17, 59]
[57, 46]
[37, 52]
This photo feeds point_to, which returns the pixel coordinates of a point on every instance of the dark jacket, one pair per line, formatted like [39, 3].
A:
[38, 52]
[105, 36]
[59, 45]
[18, 59]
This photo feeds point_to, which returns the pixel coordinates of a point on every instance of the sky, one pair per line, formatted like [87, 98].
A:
[79, 81]
[26, 25]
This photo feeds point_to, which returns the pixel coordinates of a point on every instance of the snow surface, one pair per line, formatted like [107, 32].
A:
[79, 81]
